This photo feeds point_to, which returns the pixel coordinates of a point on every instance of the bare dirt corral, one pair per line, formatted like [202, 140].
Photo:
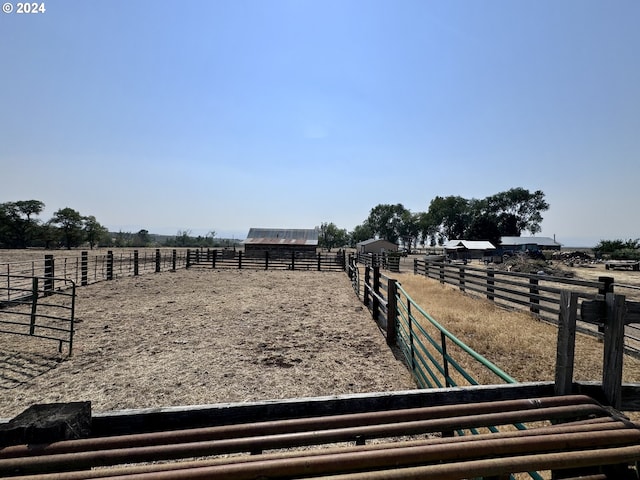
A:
[205, 336]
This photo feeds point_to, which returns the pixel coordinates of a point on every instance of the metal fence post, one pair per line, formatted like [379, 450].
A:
[34, 305]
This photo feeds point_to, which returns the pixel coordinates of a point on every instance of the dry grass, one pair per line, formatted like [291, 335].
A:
[517, 342]
[205, 336]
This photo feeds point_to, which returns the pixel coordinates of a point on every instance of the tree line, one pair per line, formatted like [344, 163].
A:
[20, 227]
[507, 213]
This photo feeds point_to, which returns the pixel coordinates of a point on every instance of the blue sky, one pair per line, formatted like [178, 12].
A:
[226, 115]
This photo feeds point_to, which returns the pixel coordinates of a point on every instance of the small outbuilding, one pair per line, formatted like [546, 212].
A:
[377, 246]
[529, 243]
[281, 242]
[468, 249]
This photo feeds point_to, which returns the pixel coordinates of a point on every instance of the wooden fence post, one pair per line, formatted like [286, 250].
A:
[461, 278]
[188, 264]
[110, 265]
[613, 349]
[565, 351]
[392, 311]
[239, 260]
[375, 308]
[213, 258]
[318, 261]
[490, 283]
[293, 261]
[158, 257]
[266, 259]
[49, 273]
[174, 259]
[136, 263]
[84, 268]
[533, 295]
[442, 272]
[367, 277]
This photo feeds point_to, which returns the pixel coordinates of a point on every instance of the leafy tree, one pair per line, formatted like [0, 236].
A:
[93, 231]
[331, 236]
[17, 226]
[618, 249]
[427, 228]
[141, 239]
[360, 233]
[387, 221]
[70, 223]
[451, 214]
[518, 210]
[409, 228]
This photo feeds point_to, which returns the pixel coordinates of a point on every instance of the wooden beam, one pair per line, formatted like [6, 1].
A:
[613, 349]
[566, 345]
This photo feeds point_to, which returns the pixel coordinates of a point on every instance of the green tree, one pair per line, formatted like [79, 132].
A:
[70, 223]
[17, 227]
[618, 249]
[141, 239]
[451, 214]
[360, 233]
[93, 231]
[518, 210]
[331, 236]
[409, 228]
[387, 221]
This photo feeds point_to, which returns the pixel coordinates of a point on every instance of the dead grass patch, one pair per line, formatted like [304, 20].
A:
[515, 341]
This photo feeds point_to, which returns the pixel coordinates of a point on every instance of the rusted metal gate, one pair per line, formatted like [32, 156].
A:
[565, 434]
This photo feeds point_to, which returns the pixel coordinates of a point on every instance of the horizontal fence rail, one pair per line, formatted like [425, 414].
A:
[539, 294]
[434, 355]
[267, 261]
[32, 307]
[88, 267]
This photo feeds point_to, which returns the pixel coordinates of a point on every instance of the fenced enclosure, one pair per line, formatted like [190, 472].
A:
[229, 259]
[537, 293]
[37, 297]
[31, 306]
[89, 267]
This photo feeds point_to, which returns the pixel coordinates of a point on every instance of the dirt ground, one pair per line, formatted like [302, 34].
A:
[204, 336]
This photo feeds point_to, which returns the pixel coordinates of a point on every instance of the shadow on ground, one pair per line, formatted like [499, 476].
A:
[17, 368]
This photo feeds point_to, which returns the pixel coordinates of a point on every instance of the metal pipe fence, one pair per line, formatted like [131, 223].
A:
[33, 309]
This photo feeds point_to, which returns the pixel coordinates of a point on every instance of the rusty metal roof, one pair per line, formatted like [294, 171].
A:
[281, 236]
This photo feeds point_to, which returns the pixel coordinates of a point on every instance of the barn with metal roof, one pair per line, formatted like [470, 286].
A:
[531, 243]
[280, 241]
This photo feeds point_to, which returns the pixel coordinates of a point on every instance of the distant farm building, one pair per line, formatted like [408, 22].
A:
[376, 246]
[468, 249]
[281, 242]
[529, 243]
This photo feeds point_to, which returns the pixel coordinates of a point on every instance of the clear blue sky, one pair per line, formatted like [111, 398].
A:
[226, 115]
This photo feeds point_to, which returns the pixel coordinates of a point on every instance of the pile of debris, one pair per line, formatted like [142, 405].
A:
[573, 258]
[523, 264]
